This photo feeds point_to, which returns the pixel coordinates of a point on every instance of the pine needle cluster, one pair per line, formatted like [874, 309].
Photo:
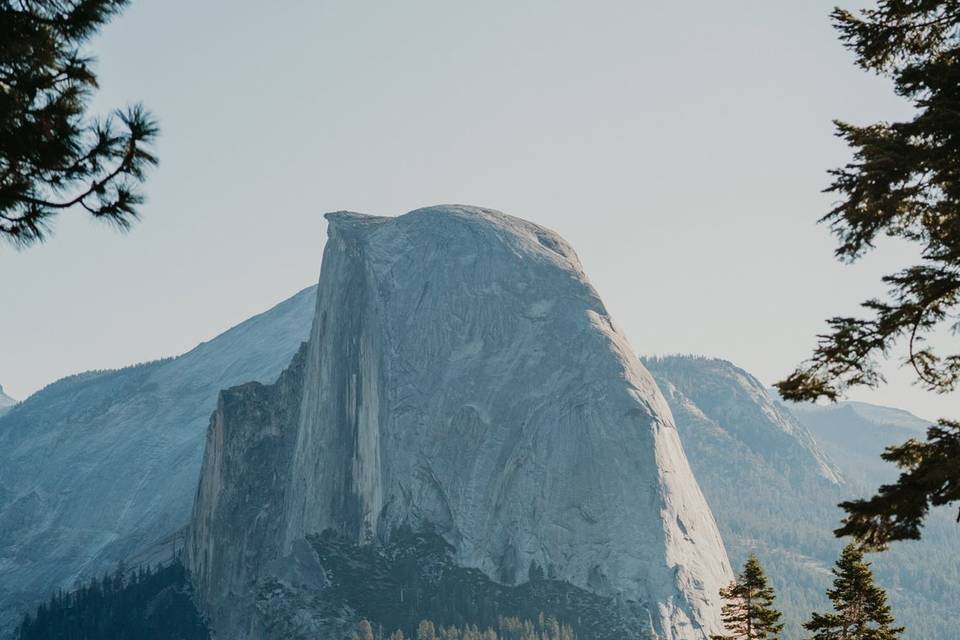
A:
[53, 156]
[902, 182]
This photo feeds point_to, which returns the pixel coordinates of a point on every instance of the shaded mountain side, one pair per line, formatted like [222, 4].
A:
[773, 483]
[99, 465]
[773, 491]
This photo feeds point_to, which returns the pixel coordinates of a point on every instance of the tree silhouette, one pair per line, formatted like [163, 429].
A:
[748, 613]
[53, 157]
[860, 607]
[902, 182]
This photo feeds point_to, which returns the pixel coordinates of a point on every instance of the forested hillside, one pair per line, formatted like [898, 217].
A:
[146, 604]
[773, 485]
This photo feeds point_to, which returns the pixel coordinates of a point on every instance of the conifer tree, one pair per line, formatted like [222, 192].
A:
[364, 631]
[53, 156]
[901, 182]
[426, 630]
[749, 613]
[860, 607]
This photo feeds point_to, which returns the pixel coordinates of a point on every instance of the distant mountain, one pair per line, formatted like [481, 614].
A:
[924, 575]
[856, 433]
[774, 473]
[772, 489]
[98, 465]
[6, 402]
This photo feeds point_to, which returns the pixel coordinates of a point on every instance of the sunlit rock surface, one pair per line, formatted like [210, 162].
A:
[461, 372]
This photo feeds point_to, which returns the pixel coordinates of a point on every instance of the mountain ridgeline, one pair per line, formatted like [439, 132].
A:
[97, 466]
[924, 582]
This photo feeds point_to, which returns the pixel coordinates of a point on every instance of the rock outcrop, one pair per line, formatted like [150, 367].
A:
[463, 375]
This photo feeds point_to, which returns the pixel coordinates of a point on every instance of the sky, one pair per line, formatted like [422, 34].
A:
[681, 148]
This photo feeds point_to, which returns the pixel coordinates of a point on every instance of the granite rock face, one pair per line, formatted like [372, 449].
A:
[97, 466]
[461, 373]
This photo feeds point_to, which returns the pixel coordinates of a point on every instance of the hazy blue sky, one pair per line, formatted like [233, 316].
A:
[680, 147]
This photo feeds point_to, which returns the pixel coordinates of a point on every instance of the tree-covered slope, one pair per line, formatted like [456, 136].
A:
[146, 604]
[773, 483]
[415, 576]
[922, 577]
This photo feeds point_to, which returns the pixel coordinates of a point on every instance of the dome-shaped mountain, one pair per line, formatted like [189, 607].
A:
[463, 377]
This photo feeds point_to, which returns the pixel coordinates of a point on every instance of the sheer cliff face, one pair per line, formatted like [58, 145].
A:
[462, 372]
[239, 500]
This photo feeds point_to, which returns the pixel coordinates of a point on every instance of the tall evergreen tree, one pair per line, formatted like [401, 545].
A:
[902, 182]
[53, 157]
[748, 613]
[860, 607]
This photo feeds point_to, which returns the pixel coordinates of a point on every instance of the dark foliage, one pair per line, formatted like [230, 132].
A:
[780, 507]
[145, 605]
[53, 157]
[860, 606]
[748, 611]
[414, 577]
[931, 478]
[903, 182]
